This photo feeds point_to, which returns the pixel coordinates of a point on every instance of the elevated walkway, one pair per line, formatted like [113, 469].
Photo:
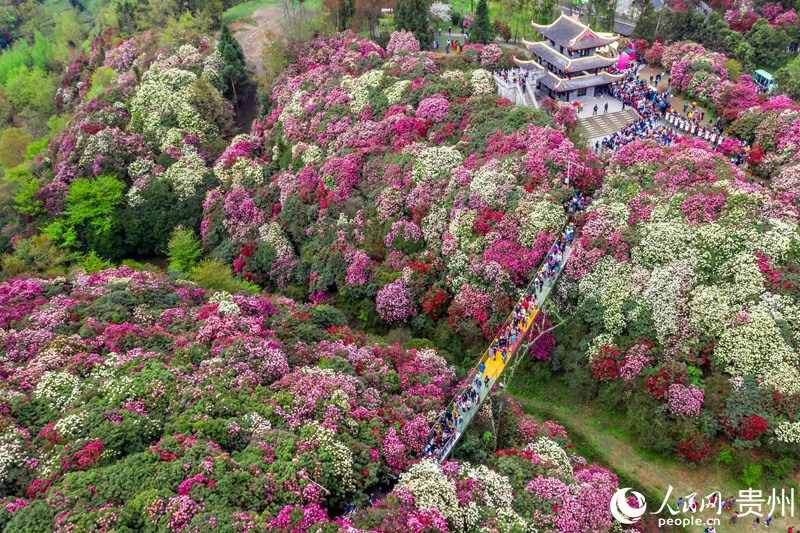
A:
[456, 418]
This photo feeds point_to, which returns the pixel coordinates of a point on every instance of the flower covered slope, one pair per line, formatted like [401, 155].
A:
[399, 179]
[156, 130]
[687, 283]
[131, 402]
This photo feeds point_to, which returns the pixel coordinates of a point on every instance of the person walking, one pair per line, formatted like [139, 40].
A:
[767, 520]
[594, 111]
[756, 523]
[605, 108]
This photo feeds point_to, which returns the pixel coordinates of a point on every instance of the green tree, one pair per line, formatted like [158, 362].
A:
[414, 18]
[346, 12]
[42, 53]
[545, 11]
[734, 68]
[156, 13]
[604, 11]
[788, 79]
[769, 45]
[9, 18]
[401, 21]
[31, 88]
[69, 28]
[149, 223]
[125, 11]
[646, 20]
[90, 220]
[745, 55]
[482, 31]
[183, 250]
[13, 143]
[215, 275]
[210, 105]
[233, 71]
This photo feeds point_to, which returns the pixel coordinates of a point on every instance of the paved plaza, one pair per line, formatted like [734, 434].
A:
[603, 125]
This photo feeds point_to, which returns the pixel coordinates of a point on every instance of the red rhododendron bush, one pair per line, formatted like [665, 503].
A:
[129, 401]
[399, 186]
[686, 281]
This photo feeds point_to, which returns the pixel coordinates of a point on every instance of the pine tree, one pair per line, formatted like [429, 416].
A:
[346, 12]
[401, 16]
[482, 31]
[412, 15]
[233, 71]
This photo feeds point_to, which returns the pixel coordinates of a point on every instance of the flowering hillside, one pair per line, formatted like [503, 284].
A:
[142, 139]
[687, 282]
[129, 401]
[399, 179]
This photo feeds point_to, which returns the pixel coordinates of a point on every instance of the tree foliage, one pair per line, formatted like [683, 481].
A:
[233, 72]
[90, 220]
[412, 15]
[482, 31]
[183, 249]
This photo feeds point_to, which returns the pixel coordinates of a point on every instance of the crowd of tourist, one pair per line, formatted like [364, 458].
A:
[691, 122]
[507, 340]
[516, 76]
[658, 119]
[649, 105]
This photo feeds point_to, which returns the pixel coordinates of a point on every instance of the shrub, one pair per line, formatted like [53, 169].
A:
[92, 262]
[214, 275]
[183, 249]
[695, 449]
[751, 474]
[91, 219]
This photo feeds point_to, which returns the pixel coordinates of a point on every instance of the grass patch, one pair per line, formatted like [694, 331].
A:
[245, 10]
[243, 13]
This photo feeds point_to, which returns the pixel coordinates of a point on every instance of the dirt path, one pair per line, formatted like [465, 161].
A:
[251, 35]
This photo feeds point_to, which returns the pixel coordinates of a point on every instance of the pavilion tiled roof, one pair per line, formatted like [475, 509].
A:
[567, 64]
[528, 64]
[561, 85]
[573, 34]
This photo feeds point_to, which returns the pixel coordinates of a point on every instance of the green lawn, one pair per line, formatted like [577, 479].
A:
[242, 12]
[246, 9]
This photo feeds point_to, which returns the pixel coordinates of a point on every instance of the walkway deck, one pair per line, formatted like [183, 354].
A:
[494, 367]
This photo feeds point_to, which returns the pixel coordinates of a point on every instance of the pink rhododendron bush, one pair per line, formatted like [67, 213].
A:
[128, 401]
[685, 277]
[398, 186]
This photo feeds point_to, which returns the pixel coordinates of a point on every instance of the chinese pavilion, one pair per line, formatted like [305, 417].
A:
[571, 60]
